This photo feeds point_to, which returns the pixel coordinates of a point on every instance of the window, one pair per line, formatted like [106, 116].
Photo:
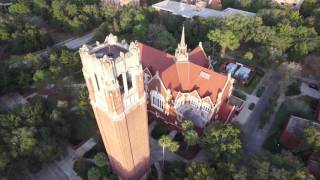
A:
[97, 82]
[129, 80]
[206, 107]
[120, 82]
[194, 102]
[157, 100]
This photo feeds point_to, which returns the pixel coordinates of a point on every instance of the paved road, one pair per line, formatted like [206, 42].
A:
[72, 43]
[254, 136]
[76, 43]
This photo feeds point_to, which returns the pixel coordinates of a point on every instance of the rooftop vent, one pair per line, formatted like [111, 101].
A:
[205, 75]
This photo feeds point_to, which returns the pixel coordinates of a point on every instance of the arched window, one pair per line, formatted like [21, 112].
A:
[120, 82]
[129, 80]
[157, 100]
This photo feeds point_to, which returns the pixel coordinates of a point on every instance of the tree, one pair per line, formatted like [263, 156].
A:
[279, 166]
[190, 136]
[226, 39]
[31, 133]
[199, 172]
[166, 142]
[41, 76]
[165, 41]
[248, 56]
[222, 142]
[94, 174]
[312, 136]
[186, 125]
[100, 159]
[20, 8]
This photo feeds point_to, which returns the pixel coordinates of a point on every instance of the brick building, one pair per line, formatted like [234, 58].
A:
[181, 86]
[126, 82]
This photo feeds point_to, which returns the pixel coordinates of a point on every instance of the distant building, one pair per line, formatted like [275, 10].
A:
[294, 132]
[293, 136]
[214, 4]
[190, 11]
[296, 4]
[118, 3]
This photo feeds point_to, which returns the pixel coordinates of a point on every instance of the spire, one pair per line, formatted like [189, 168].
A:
[183, 38]
[181, 51]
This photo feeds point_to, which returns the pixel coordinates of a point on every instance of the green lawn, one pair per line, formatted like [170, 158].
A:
[293, 89]
[239, 94]
[252, 85]
[304, 107]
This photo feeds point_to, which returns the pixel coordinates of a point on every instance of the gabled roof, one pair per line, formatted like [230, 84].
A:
[154, 59]
[198, 56]
[183, 76]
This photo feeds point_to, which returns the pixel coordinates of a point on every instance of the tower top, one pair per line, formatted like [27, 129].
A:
[183, 38]
[181, 53]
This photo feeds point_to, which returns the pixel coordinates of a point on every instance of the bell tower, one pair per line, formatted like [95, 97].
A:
[114, 78]
[181, 53]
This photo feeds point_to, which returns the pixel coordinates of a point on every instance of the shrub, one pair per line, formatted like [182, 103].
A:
[159, 130]
[251, 106]
[81, 167]
[260, 91]
[293, 89]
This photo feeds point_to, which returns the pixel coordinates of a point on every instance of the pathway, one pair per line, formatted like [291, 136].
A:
[306, 90]
[254, 135]
[62, 169]
[245, 113]
[156, 149]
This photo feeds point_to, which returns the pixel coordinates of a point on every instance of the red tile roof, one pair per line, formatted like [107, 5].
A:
[215, 4]
[154, 59]
[197, 56]
[183, 76]
[225, 111]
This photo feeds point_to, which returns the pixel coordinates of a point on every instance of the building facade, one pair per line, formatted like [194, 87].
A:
[182, 86]
[114, 78]
[296, 4]
[119, 3]
[127, 82]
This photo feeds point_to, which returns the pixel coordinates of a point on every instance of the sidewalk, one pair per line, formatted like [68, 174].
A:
[62, 169]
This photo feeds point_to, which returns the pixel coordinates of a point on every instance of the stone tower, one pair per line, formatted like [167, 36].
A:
[114, 78]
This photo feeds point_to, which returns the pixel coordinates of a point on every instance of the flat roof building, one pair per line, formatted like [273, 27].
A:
[190, 11]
